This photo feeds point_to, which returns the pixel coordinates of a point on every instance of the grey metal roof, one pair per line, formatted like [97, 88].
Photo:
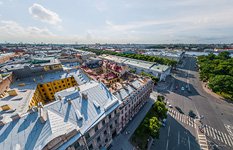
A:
[25, 93]
[63, 117]
[128, 89]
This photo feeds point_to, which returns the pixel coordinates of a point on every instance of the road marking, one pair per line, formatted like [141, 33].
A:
[224, 138]
[189, 142]
[231, 140]
[217, 136]
[220, 136]
[227, 140]
[187, 121]
[167, 145]
[168, 131]
[213, 133]
[178, 137]
[206, 131]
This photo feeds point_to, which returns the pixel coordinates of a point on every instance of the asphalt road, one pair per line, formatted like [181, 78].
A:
[217, 113]
[175, 137]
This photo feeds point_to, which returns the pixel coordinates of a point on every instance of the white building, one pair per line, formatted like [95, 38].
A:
[160, 71]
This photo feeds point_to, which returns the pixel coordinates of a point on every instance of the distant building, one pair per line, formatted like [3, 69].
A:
[176, 55]
[160, 71]
[33, 67]
[4, 57]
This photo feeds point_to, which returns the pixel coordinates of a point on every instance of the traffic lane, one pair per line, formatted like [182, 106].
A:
[175, 137]
[214, 110]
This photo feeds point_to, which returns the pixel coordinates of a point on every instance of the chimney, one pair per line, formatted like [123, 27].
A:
[42, 113]
[15, 116]
[84, 95]
[2, 123]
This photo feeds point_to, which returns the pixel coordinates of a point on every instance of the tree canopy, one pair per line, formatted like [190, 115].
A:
[218, 71]
[160, 109]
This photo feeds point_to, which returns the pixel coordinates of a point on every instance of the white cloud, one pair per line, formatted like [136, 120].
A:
[101, 5]
[45, 15]
[1, 2]
[12, 30]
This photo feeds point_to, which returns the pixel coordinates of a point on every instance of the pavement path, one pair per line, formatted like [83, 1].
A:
[121, 142]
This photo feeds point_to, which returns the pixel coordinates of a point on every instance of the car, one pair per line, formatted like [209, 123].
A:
[164, 120]
[170, 105]
[182, 88]
[192, 114]
[179, 110]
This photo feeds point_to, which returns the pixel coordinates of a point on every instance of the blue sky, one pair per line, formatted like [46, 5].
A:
[116, 21]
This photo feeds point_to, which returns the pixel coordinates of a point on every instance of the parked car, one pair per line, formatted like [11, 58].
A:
[182, 88]
[180, 111]
[192, 114]
[170, 106]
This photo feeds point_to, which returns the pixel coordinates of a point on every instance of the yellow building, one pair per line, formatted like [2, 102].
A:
[45, 92]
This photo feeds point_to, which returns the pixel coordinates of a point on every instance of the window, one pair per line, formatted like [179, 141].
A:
[105, 132]
[96, 128]
[103, 122]
[68, 83]
[55, 87]
[116, 121]
[87, 136]
[90, 147]
[64, 85]
[110, 116]
[98, 139]
[50, 89]
[62, 81]
[106, 140]
[76, 145]
[41, 85]
[59, 86]
[111, 126]
[42, 90]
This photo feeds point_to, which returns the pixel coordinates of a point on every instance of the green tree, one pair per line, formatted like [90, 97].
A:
[154, 126]
[160, 109]
[224, 55]
[221, 83]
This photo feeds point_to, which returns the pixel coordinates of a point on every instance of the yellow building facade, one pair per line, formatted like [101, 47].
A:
[45, 92]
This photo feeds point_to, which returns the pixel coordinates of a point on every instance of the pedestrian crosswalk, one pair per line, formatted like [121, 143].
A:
[218, 135]
[203, 142]
[208, 131]
[183, 118]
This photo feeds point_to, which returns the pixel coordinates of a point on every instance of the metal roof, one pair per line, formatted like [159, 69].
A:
[25, 93]
[29, 133]
[137, 63]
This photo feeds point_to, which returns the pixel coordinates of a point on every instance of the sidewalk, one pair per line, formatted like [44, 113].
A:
[201, 137]
[121, 142]
[207, 90]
